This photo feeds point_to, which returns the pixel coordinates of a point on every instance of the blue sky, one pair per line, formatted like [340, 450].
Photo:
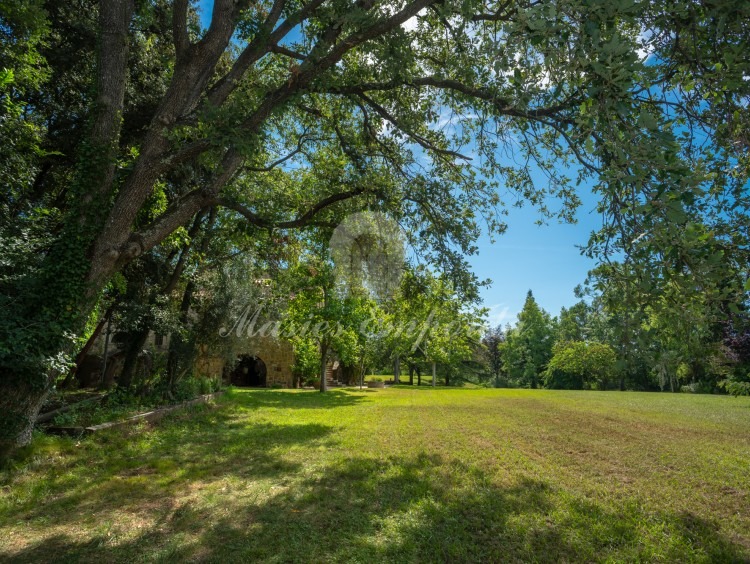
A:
[543, 259]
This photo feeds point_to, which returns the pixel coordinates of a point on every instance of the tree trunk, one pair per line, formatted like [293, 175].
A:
[99, 153]
[434, 376]
[131, 359]
[19, 407]
[397, 370]
[29, 371]
[176, 341]
[85, 350]
[103, 380]
[323, 359]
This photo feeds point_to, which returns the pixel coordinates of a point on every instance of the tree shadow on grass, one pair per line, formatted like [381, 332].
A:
[130, 468]
[398, 509]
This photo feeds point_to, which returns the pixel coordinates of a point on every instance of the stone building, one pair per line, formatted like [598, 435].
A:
[265, 362]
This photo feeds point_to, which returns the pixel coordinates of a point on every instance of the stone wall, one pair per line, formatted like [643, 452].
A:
[278, 357]
[209, 366]
[276, 354]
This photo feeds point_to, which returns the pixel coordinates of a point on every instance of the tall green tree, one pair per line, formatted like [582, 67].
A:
[322, 312]
[428, 322]
[528, 346]
[492, 342]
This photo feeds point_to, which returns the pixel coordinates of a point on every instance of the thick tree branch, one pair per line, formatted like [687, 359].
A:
[301, 220]
[190, 204]
[499, 104]
[176, 216]
[287, 52]
[179, 28]
[98, 176]
[179, 213]
[313, 66]
[309, 69]
[223, 21]
[376, 30]
[117, 250]
[114, 19]
[259, 47]
[191, 75]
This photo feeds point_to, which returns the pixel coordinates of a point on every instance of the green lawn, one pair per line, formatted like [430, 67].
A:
[396, 475]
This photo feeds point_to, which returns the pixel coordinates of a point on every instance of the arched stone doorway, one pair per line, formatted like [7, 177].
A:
[250, 372]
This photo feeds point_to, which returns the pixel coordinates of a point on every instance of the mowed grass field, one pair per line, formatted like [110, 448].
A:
[396, 475]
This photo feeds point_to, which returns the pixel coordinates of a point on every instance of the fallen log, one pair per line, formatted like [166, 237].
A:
[149, 416]
[55, 412]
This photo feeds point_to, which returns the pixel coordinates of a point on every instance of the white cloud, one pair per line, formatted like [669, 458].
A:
[412, 23]
[499, 314]
[645, 49]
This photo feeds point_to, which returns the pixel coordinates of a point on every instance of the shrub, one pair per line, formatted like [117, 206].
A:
[67, 418]
[577, 365]
[187, 388]
[209, 385]
[697, 388]
[117, 405]
[736, 387]
[306, 359]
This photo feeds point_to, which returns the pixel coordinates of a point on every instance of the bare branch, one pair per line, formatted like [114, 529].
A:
[303, 138]
[422, 141]
[500, 105]
[287, 52]
[499, 15]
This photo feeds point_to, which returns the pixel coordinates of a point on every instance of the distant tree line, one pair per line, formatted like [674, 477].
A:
[600, 343]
